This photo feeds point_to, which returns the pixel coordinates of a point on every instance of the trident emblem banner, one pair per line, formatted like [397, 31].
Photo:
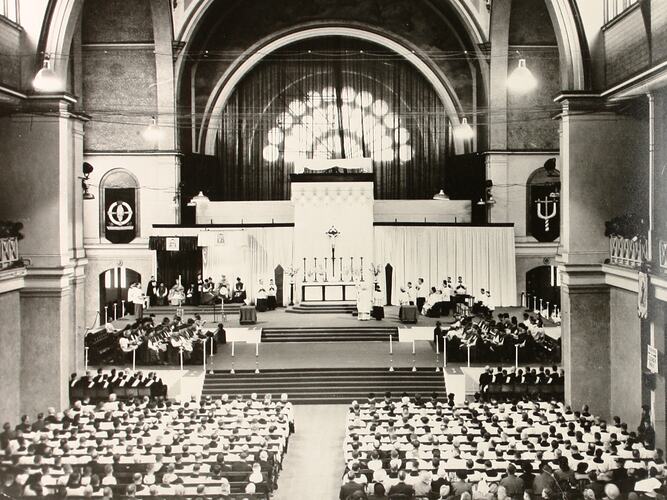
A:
[545, 213]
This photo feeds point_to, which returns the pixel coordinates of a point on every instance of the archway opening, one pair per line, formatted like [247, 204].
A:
[114, 284]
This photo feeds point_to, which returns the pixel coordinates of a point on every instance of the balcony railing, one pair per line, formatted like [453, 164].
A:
[627, 252]
[9, 252]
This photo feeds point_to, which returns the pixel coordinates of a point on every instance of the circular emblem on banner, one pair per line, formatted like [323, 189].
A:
[120, 213]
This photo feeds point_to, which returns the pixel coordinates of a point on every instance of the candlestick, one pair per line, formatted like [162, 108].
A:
[516, 357]
[325, 269]
[256, 349]
[437, 346]
[305, 271]
[468, 356]
[413, 347]
[315, 268]
[362, 268]
[391, 345]
[232, 348]
[351, 268]
[341, 268]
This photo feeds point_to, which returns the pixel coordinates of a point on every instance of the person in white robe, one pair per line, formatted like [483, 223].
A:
[271, 293]
[412, 294]
[378, 303]
[364, 301]
[177, 294]
[403, 299]
[432, 301]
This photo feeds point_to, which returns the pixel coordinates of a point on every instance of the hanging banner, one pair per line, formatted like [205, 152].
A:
[172, 244]
[642, 296]
[545, 216]
[119, 215]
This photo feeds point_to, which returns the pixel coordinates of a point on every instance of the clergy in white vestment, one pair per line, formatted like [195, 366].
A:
[490, 302]
[421, 292]
[403, 299]
[460, 287]
[412, 293]
[177, 294]
[271, 292]
[446, 291]
[364, 301]
[378, 303]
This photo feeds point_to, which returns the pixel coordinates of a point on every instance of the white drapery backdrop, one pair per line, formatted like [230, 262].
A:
[483, 256]
[250, 253]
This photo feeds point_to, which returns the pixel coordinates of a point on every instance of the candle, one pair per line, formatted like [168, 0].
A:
[437, 345]
[204, 355]
[257, 349]
[232, 348]
[444, 354]
[468, 356]
[391, 344]
[413, 346]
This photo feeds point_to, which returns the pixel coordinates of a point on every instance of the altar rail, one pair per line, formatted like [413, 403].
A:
[627, 252]
[9, 252]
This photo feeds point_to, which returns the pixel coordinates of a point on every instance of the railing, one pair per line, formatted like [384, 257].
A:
[9, 252]
[628, 252]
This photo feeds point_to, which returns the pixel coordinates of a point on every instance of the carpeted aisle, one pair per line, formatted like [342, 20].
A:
[313, 465]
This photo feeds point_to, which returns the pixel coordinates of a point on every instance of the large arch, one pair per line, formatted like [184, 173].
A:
[571, 47]
[254, 54]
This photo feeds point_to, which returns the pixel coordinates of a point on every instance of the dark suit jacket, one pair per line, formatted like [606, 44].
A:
[348, 488]
[401, 489]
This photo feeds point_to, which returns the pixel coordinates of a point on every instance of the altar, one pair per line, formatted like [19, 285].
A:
[328, 292]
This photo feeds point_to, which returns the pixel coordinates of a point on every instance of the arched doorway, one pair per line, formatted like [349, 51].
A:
[543, 282]
[113, 291]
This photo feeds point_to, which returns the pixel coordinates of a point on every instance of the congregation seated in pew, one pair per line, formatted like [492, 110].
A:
[221, 448]
[430, 450]
[512, 383]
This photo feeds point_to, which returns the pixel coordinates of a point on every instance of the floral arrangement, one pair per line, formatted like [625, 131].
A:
[10, 229]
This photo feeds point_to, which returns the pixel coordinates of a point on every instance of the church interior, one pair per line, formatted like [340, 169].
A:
[371, 249]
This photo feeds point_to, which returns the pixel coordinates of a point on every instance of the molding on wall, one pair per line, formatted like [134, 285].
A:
[12, 279]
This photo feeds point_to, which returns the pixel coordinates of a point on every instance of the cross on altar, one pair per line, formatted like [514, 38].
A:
[333, 233]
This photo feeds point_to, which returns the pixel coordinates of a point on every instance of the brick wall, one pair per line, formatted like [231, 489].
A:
[120, 95]
[626, 47]
[659, 29]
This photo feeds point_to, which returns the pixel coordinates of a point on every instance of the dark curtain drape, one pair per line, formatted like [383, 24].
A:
[186, 262]
[332, 98]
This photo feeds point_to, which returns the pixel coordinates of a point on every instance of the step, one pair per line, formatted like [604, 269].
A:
[327, 385]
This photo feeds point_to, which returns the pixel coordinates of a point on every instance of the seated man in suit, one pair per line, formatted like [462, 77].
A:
[347, 489]
[401, 488]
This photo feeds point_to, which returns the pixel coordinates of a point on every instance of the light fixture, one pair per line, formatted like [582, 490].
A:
[87, 170]
[152, 132]
[481, 202]
[46, 79]
[521, 80]
[464, 131]
[440, 195]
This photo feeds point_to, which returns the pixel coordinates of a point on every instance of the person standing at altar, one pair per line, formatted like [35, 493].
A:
[446, 291]
[412, 294]
[150, 290]
[403, 299]
[461, 288]
[378, 303]
[177, 294]
[364, 302]
[138, 299]
[261, 297]
[271, 295]
[161, 295]
[421, 292]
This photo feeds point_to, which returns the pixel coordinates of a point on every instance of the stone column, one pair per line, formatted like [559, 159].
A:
[42, 155]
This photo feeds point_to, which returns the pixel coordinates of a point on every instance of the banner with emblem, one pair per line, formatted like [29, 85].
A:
[119, 215]
[545, 212]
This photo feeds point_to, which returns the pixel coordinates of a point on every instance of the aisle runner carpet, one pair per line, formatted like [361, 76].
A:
[326, 386]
